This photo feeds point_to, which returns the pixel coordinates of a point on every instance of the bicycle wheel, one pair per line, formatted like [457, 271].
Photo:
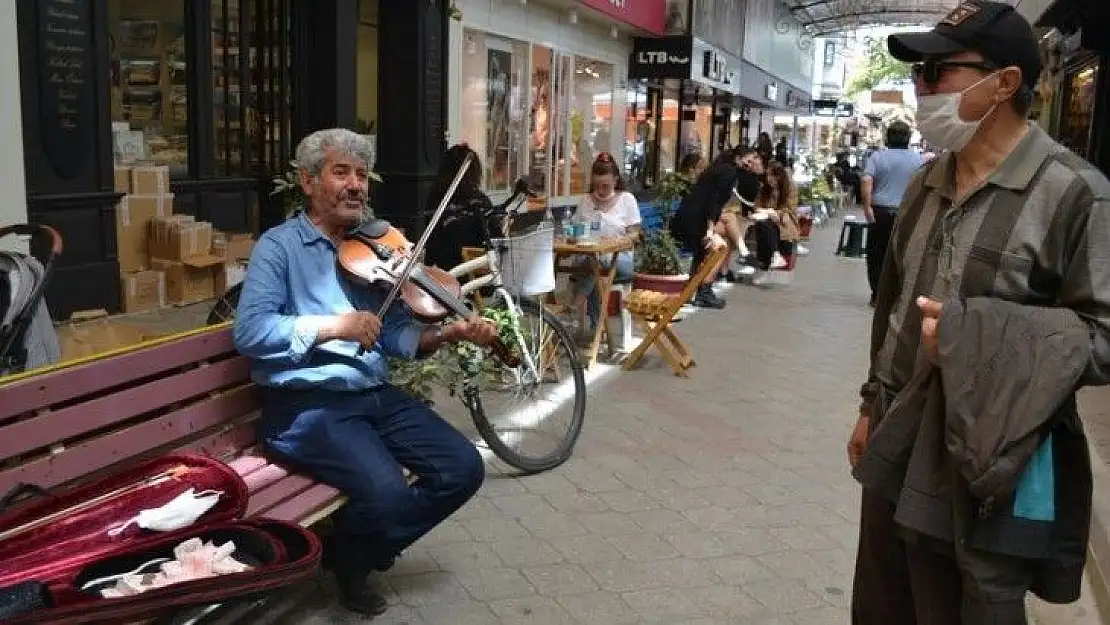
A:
[224, 308]
[547, 341]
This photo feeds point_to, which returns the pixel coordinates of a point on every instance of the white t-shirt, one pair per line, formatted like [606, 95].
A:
[616, 218]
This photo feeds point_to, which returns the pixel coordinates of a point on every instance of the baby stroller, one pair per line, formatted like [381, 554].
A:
[27, 337]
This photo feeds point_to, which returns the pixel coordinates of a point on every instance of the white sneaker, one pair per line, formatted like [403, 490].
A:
[761, 279]
[778, 262]
[801, 250]
[745, 270]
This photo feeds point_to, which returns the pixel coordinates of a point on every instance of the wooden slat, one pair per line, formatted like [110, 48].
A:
[304, 505]
[74, 420]
[245, 465]
[36, 392]
[287, 489]
[227, 442]
[97, 453]
[265, 477]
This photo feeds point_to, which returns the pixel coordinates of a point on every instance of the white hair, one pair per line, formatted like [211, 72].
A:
[312, 150]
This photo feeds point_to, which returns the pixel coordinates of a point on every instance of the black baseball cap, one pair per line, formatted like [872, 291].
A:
[993, 29]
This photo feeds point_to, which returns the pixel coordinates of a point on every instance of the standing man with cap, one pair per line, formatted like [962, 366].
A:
[1008, 221]
[885, 178]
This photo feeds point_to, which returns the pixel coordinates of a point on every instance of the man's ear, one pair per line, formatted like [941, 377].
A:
[307, 181]
[1009, 82]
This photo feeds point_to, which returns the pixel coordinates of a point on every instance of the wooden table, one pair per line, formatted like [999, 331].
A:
[565, 252]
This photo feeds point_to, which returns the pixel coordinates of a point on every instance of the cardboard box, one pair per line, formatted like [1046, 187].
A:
[143, 291]
[180, 237]
[189, 281]
[91, 333]
[123, 180]
[236, 247]
[150, 179]
[134, 214]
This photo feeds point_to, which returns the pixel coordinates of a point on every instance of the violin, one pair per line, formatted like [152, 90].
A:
[375, 254]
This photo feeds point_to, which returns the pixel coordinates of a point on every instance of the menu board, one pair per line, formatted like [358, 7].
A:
[66, 95]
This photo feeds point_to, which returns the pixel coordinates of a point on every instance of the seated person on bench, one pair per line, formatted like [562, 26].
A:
[609, 203]
[776, 219]
[327, 409]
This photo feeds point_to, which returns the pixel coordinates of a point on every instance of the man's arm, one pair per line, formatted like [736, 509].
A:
[262, 331]
[867, 185]
[1086, 285]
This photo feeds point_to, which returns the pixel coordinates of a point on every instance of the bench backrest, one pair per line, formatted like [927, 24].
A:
[191, 393]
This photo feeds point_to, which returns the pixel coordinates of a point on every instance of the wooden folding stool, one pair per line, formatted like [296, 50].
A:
[654, 313]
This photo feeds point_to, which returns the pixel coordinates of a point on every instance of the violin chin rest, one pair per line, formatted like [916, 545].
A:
[374, 228]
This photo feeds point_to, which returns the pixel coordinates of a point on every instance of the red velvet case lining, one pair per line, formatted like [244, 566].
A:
[55, 554]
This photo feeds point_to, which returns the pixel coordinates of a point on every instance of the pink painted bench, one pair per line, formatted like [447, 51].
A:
[192, 393]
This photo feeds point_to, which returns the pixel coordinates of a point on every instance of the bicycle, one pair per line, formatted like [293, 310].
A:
[538, 350]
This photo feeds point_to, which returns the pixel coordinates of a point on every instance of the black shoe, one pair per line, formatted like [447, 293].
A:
[356, 597]
[706, 298]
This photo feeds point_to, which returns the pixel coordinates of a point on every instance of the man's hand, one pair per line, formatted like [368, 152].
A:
[359, 326]
[869, 214]
[713, 241]
[930, 315]
[476, 330]
[857, 443]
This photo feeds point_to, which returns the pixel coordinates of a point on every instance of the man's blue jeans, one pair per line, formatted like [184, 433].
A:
[358, 442]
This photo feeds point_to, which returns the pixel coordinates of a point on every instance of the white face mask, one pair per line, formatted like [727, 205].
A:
[938, 119]
[182, 511]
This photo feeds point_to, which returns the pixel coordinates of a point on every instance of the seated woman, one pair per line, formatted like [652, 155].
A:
[461, 225]
[776, 220]
[615, 208]
[733, 222]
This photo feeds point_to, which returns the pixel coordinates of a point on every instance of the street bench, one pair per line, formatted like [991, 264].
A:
[188, 393]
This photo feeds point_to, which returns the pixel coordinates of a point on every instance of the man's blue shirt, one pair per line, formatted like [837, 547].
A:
[293, 285]
[891, 171]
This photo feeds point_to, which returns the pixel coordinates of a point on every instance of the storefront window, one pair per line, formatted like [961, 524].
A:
[548, 121]
[591, 119]
[697, 122]
[639, 135]
[148, 88]
[493, 100]
[668, 131]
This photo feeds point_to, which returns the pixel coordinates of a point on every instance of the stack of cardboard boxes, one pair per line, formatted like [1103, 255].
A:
[166, 258]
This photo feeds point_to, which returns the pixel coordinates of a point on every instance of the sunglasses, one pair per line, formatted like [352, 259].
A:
[930, 70]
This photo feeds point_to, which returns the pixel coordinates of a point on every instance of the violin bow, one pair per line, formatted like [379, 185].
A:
[411, 263]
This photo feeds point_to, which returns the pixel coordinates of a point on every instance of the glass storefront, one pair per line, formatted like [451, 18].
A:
[1078, 106]
[149, 92]
[533, 110]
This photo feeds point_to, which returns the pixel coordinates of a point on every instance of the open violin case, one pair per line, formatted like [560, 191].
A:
[63, 542]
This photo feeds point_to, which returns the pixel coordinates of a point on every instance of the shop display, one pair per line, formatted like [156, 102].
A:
[148, 87]
[1079, 107]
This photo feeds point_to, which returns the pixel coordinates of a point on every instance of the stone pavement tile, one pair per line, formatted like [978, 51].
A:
[536, 610]
[587, 550]
[464, 613]
[576, 502]
[557, 580]
[493, 584]
[700, 545]
[663, 522]
[784, 596]
[724, 601]
[643, 546]
[522, 504]
[628, 500]
[427, 589]
[607, 523]
[552, 525]
[522, 553]
[820, 616]
[495, 528]
[599, 607]
[463, 557]
[661, 605]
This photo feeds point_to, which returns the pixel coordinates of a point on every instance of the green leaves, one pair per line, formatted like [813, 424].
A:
[455, 367]
[878, 69]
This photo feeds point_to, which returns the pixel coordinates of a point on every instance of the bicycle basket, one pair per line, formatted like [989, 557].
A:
[528, 262]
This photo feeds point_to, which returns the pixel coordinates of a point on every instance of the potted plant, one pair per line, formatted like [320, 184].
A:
[659, 265]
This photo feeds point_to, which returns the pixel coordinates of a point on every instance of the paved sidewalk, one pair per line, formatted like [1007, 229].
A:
[723, 498]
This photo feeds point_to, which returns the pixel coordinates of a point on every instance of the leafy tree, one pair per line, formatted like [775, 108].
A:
[878, 68]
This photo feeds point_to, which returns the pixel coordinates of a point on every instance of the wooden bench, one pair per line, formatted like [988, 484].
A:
[189, 393]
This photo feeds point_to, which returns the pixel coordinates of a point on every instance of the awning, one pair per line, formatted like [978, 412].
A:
[831, 17]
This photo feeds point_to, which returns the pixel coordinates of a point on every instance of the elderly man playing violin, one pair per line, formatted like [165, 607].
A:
[320, 360]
